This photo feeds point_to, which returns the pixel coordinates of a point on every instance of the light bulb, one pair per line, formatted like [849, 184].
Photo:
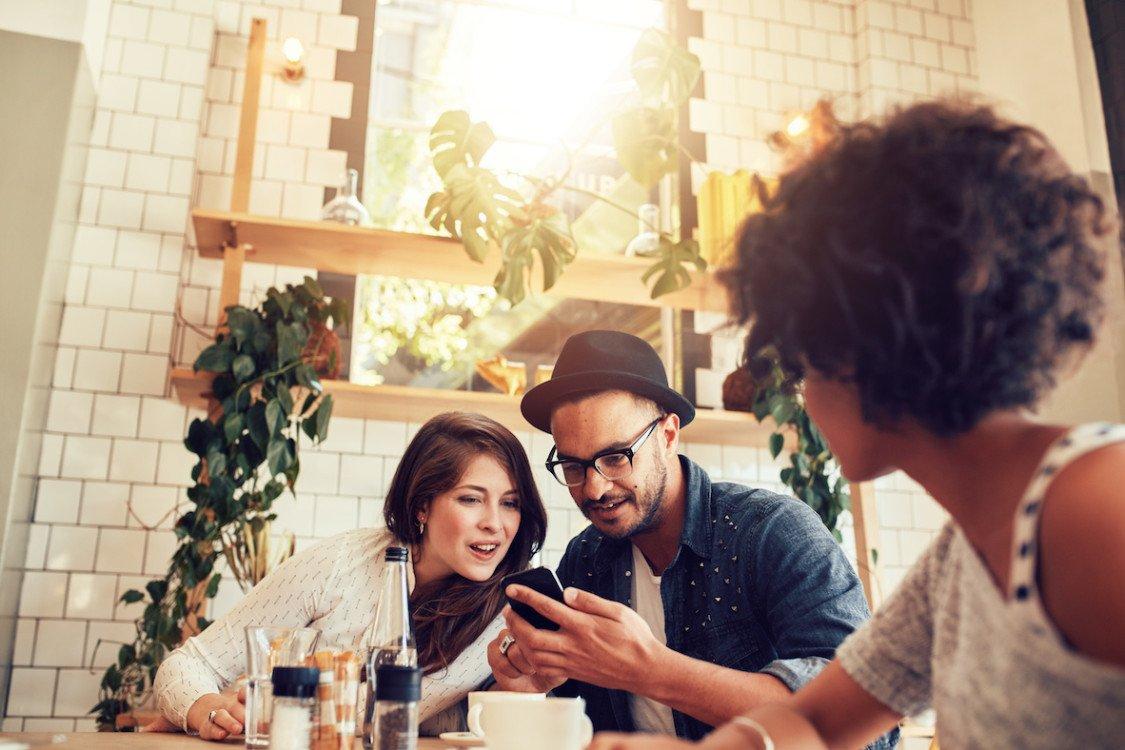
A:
[797, 126]
[293, 50]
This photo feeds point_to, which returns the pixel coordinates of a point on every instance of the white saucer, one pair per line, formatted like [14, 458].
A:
[461, 739]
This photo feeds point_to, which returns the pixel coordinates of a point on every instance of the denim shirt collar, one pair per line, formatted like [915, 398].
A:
[696, 534]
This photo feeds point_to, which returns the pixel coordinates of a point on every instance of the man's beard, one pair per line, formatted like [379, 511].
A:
[650, 509]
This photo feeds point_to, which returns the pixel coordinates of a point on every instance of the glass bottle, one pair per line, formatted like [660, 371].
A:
[346, 207]
[392, 640]
[647, 242]
[294, 704]
[397, 692]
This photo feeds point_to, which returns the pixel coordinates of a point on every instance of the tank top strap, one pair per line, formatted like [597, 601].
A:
[1080, 440]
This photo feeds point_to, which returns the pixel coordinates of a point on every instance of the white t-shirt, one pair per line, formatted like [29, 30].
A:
[649, 715]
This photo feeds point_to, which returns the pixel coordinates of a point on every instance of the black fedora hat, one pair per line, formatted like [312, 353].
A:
[604, 361]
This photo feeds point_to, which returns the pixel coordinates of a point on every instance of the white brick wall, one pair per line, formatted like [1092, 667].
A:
[163, 139]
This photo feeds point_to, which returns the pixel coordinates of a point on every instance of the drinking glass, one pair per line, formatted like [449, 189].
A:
[268, 647]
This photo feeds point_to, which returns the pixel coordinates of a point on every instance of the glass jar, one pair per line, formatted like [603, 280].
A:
[294, 707]
[647, 242]
[394, 724]
[346, 207]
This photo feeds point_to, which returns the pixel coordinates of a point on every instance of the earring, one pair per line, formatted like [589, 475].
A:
[421, 528]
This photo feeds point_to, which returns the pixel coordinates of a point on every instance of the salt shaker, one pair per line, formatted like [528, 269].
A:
[294, 704]
[394, 725]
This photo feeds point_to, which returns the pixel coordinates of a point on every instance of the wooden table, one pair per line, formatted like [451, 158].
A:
[126, 740]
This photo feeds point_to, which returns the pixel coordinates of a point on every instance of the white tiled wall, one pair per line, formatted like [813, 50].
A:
[112, 464]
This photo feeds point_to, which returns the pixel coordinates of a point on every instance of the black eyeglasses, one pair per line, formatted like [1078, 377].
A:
[612, 464]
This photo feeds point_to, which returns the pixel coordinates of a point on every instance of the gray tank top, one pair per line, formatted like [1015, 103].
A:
[996, 670]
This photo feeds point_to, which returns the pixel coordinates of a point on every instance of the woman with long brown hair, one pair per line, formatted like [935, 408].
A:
[465, 505]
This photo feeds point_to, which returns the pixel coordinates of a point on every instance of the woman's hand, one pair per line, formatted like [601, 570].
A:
[227, 720]
[513, 672]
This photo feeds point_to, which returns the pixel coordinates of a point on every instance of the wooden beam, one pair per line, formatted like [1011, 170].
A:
[867, 541]
[248, 120]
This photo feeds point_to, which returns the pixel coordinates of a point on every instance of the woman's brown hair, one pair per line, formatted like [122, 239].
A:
[448, 619]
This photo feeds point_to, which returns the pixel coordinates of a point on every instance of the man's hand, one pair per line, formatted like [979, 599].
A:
[513, 672]
[230, 715]
[600, 642]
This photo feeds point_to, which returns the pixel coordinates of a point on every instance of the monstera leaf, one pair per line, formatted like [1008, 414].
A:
[475, 207]
[546, 233]
[457, 140]
[672, 266]
[645, 138]
[664, 72]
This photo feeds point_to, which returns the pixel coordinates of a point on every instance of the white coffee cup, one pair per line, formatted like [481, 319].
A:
[547, 724]
[479, 699]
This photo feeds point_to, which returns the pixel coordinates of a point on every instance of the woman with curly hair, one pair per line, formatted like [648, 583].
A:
[928, 277]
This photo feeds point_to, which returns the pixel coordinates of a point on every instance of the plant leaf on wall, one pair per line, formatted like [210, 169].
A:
[664, 71]
[645, 139]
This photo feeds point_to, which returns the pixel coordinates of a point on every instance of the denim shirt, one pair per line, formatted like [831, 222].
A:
[757, 584]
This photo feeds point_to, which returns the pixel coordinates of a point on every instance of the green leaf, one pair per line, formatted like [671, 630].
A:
[216, 464]
[259, 428]
[243, 324]
[285, 398]
[275, 417]
[291, 339]
[323, 414]
[126, 655]
[645, 139]
[215, 358]
[475, 207]
[665, 72]
[233, 425]
[457, 141]
[201, 435]
[313, 287]
[243, 367]
[279, 455]
[132, 596]
[156, 590]
[777, 442]
[213, 585]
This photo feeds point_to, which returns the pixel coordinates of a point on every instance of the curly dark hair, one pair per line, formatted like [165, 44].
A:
[945, 260]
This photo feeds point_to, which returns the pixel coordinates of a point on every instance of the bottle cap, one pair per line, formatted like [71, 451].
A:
[396, 554]
[395, 683]
[295, 682]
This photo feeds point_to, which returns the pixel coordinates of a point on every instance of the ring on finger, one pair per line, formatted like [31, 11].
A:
[506, 643]
[211, 715]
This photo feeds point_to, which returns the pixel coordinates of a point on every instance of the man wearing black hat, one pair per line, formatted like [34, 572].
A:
[689, 602]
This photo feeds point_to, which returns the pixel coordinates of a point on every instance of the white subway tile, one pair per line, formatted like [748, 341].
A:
[323, 6]
[168, 27]
[841, 49]
[175, 138]
[103, 504]
[31, 692]
[38, 535]
[81, 325]
[162, 419]
[963, 33]
[88, 205]
[138, 250]
[831, 76]
[320, 63]
[94, 245]
[293, 97]
[297, 23]
[797, 11]
[171, 253]
[320, 472]
[64, 368]
[108, 287]
[204, 8]
[120, 208]
[160, 335]
[271, 16]
[85, 457]
[71, 548]
[302, 201]
[951, 8]
[339, 32]
[753, 92]
[96, 370]
[327, 167]
[125, 329]
[166, 213]
[800, 71]
[722, 150]
[131, 132]
[705, 116]
[345, 435]
[265, 197]
[273, 127]
[926, 52]
[155, 291]
[782, 37]
[115, 416]
[895, 46]
[285, 163]
[361, 475]
[334, 514]
[121, 551]
[76, 277]
[954, 59]
[161, 545]
[827, 17]
[768, 66]
[718, 27]
[57, 500]
[128, 22]
[908, 20]
[202, 34]
[50, 455]
[210, 155]
[893, 509]
[309, 129]
[215, 191]
[812, 43]
[295, 514]
[186, 66]
[105, 638]
[133, 461]
[24, 646]
[158, 98]
[784, 97]
[937, 27]
[144, 374]
[142, 59]
[105, 167]
[175, 464]
[766, 9]
[43, 595]
[153, 506]
[222, 120]
[69, 411]
[75, 688]
[332, 98]
[125, 583]
[191, 102]
[928, 515]
[384, 438]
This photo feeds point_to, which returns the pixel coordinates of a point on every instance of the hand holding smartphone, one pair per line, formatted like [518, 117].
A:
[543, 581]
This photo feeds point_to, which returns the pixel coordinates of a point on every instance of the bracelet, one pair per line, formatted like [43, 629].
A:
[747, 723]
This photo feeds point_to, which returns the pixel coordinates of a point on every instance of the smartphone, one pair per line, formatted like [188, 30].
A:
[543, 581]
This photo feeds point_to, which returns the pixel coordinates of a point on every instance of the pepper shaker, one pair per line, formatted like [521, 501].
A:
[394, 725]
[294, 704]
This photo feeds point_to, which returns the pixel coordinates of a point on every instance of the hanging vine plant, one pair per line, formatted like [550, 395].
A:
[267, 364]
[488, 215]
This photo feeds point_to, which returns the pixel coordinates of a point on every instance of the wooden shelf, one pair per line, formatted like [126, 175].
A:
[337, 248]
[406, 404]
